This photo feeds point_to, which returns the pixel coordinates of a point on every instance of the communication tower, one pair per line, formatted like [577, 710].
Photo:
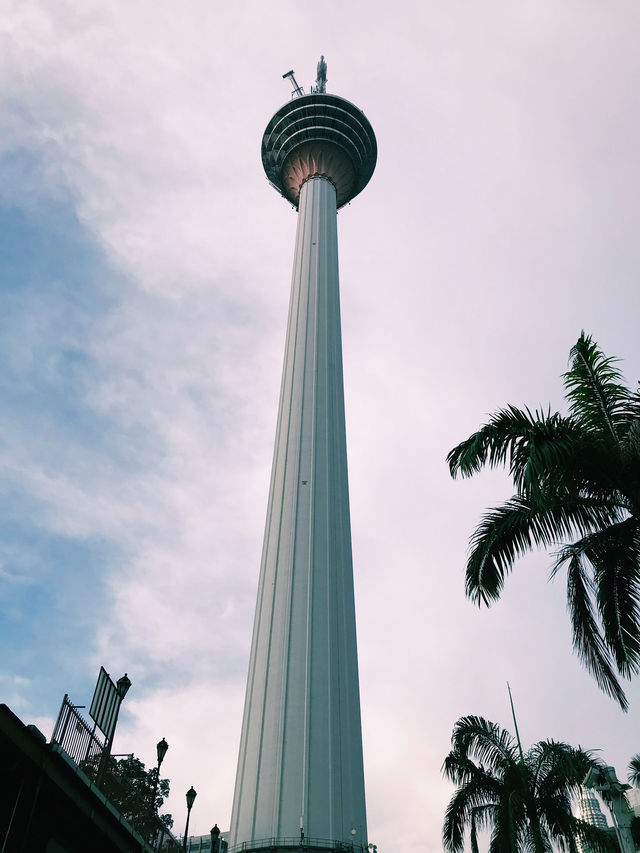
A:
[300, 779]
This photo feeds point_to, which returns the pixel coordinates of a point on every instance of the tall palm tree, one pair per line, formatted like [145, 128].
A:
[577, 482]
[524, 799]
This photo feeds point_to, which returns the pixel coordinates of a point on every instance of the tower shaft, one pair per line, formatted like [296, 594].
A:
[300, 764]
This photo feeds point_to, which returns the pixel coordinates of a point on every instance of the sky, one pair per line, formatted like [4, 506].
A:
[145, 265]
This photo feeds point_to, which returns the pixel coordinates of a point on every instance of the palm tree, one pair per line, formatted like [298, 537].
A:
[524, 799]
[577, 482]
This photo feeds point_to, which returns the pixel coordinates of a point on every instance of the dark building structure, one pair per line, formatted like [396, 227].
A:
[47, 805]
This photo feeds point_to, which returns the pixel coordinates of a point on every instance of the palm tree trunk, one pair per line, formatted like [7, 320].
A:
[512, 830]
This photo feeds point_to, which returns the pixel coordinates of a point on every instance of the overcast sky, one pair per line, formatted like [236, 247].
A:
[145, 265]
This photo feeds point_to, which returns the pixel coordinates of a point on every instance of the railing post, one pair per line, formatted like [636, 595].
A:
[58, 738]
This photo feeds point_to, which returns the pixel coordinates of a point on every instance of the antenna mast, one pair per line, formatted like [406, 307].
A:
[297, 90]
[513, 714]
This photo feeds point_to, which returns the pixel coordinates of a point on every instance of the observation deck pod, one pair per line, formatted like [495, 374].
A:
[319, 135]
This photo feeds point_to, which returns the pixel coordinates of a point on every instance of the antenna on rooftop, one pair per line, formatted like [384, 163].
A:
[321, 79]
[297, 90]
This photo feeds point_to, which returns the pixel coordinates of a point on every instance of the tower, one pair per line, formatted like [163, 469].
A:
[300, 778]
[589, 810]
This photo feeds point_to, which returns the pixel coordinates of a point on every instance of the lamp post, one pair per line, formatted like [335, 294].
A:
[215, 835]
[191, 795]
[161, 749]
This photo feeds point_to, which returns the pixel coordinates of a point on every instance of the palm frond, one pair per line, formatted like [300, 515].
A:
[614, 556]
[630, 466]
[519, 525]
[593, 838]
[456, 817]
[634, 771]
[598, 399]
[531, 443]
[588, 641]
[459, 768]
[491, 444]
[591, 469]
[481, 817]
[545, 459]
[559, 769]
[459, 813]
[481, 740]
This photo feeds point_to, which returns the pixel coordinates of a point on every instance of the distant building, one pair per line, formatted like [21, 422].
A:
[590, 810]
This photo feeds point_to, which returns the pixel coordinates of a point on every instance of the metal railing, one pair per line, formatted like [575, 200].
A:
[76, 736]
[298, 844]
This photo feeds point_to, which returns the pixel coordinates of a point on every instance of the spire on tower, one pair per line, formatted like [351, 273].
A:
[321, 78]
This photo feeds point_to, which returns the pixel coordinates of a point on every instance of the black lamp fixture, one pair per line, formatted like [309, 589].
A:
[191, 795]
[161, 749]
[215, 835]
[122, 685]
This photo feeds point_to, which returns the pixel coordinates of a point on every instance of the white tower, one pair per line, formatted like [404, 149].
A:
[300, 779]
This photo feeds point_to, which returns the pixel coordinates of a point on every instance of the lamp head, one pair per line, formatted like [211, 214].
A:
[122, 685]
[191, 795]
[162, 748]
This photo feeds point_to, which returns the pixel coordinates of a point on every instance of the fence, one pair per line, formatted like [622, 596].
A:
[297, 843]
[76, 736]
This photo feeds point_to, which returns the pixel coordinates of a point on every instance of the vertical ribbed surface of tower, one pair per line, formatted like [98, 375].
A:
[300, 779]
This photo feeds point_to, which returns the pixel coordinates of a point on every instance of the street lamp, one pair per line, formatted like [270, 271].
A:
[161, 749]
[215, 834]
[191, 795]
[122, 686]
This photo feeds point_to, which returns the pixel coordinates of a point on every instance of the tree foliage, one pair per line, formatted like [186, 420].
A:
[523, 799]
[577, 482]
[129, 786]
